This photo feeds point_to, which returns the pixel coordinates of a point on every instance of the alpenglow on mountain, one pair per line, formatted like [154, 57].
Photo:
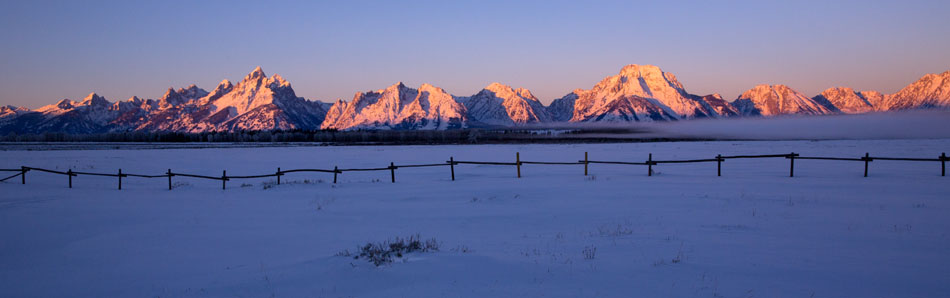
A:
[637, 93]
[398, 107]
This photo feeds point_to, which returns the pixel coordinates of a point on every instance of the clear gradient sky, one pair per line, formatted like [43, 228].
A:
[330, 50]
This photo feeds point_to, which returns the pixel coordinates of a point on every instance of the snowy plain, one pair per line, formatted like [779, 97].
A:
[754, 232]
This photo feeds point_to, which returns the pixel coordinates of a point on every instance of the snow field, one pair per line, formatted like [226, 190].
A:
[754, 232]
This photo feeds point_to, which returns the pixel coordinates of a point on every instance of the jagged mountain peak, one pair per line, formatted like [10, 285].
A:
[778, 89]
[257, 73]
[279, 81]
[506, 91]
[398, 107]
[935, 76]
[11, 110]
[770, 88]
[396, 86]
[223, 88]
[499, 104]
[191, 89]
[930, 91]
[651, 75]
[497, 87]
[637, 93]
[640, 70]
[846, 100]
[839, 89]
[182, 96]
[257, 79]
[431, 88]
[771, 100]
[64, 104]
[94, 99]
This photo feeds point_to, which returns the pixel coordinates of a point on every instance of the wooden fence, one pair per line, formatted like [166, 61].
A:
[451, 163]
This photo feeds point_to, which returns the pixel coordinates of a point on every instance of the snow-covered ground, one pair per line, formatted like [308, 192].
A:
[754, 232]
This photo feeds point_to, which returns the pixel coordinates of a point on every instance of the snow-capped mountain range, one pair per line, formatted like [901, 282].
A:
[636, 93]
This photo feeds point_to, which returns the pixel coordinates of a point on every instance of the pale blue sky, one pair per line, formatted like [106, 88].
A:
[55, 50]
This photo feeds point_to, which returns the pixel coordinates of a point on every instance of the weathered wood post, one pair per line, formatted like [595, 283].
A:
[392, 171]
[169, 173]
[224, 178]
[585, 163]
[518, 163]
[120, 179]
[452, 166]
[718, 165]
[943, 164]
[335, 171]
[650, 165]
[70, 174]
[22, 174]
[791, 167]
[278, 175]
[867, 159]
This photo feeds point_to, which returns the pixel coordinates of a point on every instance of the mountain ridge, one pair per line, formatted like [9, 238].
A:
[636, 93]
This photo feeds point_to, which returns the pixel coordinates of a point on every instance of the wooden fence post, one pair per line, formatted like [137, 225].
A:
[22, 174]
[791, 167]
[278, 175]
[392, 171]
[120, 179]
[452, 166]
[224, 178]
[518, 163]
[169, 173]
[867, 159]
[335, 171]
[585, 163]
[650, 165]
[943, 164]
[718, 165]
[70, 174]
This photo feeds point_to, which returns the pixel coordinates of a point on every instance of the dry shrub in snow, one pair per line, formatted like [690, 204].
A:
[385, 252]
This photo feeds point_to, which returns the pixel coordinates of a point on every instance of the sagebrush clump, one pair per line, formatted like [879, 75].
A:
[380, 253]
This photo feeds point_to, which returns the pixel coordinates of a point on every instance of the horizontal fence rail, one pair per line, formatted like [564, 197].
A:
[451, 163]
[616, 162]
[830, 158]
[907, 159]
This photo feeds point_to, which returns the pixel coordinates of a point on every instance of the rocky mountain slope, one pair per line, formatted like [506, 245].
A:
[848, 101]
[500, 105]
[773, 100]
[930, 91]
[398, 107]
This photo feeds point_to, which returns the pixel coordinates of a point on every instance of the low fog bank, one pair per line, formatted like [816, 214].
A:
[893, 125]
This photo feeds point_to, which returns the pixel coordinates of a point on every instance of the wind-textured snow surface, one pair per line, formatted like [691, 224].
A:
[754, 232]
